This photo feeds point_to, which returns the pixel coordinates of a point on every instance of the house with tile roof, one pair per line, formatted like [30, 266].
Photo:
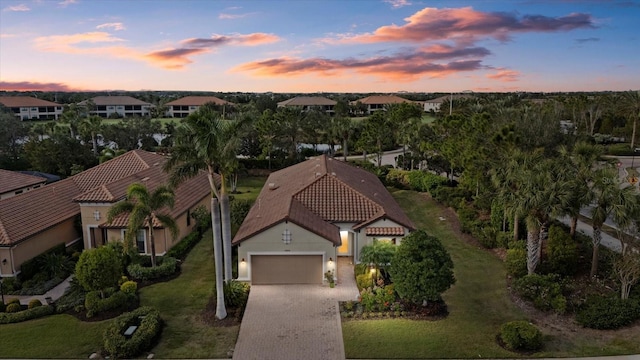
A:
[75, 209]
[379, 102]
[434, 104]
[30, 108]
[120, 106]
[187, 105]
[310, 102]
[309, 214]
[13, 183]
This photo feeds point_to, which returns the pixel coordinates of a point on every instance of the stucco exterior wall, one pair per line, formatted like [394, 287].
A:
[270, 241]
[362, 239]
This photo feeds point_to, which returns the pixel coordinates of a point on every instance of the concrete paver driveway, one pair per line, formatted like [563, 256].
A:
[294, 322]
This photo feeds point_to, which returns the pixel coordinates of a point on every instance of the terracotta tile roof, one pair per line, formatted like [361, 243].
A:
[198, 101]
[382, 99]
[39, 209]
[11, 180]
[384, 231]
[317, 192]
[24, 101]
[307, 101]
[115, 100]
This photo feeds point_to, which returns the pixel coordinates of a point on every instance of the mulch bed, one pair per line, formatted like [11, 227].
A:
[234, 315]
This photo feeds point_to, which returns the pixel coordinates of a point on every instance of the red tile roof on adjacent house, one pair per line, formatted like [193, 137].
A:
[11, 181]
[384, 231]
[24, 101]
[382, 99]
[307, 101]
[198, 101]
[317, 193]
[115, 100]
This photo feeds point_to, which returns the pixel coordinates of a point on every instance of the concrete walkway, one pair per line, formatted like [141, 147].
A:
[608, 241]
[295, 321]
[54, 294]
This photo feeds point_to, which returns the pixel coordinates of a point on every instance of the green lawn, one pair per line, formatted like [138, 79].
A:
[249, 187]
[478, 305]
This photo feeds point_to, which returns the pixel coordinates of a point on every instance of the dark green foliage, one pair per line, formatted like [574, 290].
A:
[13, 308]
[521, 336]
[562, 252]
[99, 268]
[149, 327]
[516, 262]
[95, 304]
[10, 284]
[421, 268]
[484, 233]
[29, 314]
[72, 298]
[397, 178]
[129, 287]
[360, 269]
[182, 248]
[424, 181]
[167, 267]
[34, 303]
[467, 216]
[379, 298]
[239, 210]
[31, 267]
[2, 307]
[202, 216]
[611, 312]
[503, 238]
[451, 196]
[543, 290]
[236, 293]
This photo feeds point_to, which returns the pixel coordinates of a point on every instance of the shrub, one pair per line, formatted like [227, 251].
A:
[99, 268]
[239, 210]
[608, 312]
[149, 327]
[521, 335]
[398, 178]
[129, 287]
[543, 290]
[562, 252]
[451, 196]
[13, 308]
[73, 297]
[363, 281]
[14, 301]
[168, 266]
[424, 181]
[236, 293]
[467, 216]
[202, 217]
[34, 303]
[361, 269]
[181, 249]
[20, 316]
[31, 267]
[485, 233]
[516, 262]
[10, 284]
[94, 304]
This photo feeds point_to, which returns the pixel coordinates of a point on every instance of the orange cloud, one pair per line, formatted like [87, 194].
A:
[173, 58]
[467, 24]
[505, 75]
[35, 86]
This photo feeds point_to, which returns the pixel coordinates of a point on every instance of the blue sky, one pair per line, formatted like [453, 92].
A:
[320, 46]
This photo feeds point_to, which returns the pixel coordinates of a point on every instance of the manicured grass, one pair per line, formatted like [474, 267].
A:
[57, 336]
[478, 304]
[249, 187]
[181, 302]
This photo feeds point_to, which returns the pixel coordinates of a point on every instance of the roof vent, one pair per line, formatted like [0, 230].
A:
[333, 173]
[362, 181]
[156, 164]
[318, 174]
[273, 186]
[145, 178]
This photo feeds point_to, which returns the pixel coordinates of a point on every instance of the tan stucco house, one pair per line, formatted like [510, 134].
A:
[30, 108]
[309, 214]
[75, 209]
[307, 103]
[187, 105]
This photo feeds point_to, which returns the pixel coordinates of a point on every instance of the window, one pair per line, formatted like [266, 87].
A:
[188, 217]
[141, 244]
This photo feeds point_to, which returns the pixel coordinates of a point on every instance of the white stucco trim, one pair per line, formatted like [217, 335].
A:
[325, 259]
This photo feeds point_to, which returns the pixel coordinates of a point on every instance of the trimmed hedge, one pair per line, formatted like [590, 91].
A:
[182, 248]
[516, 262]
[606, 313]
[94, 304]
[521, 335]
[34, 303]
[129, 287]
[167, 267]
[13, 308]
[29, 314]
[543, 290]
[149, 327]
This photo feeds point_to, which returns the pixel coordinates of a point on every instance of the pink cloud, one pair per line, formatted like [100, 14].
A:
[19, 8]
[35, 86]
[505, 75]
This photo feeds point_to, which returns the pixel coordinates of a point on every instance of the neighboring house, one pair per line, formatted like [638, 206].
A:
[434, 104]
[309, 214]
[14, 183]
[75, 208]
[120, 106]
[379, 102]
[181, 108]
[28, 108]
[309, 102]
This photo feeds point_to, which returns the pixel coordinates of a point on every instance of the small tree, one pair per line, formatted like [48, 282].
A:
[379, 254]
[627, 269]
[421, 268]
[99, 268]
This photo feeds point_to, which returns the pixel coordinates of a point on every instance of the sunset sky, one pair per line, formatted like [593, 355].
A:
[320, 46]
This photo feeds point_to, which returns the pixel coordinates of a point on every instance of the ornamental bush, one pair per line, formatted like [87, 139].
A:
[364, 281]
[562, 252]
[516, 262]
[20, 316]
[129, 287]
[13, 308]
[34, 303]
[149, 327]
[543, 290]
[167, 267]
[99, 268]
[608, 312]
[521, 335]
[236, 293]
[94, 304]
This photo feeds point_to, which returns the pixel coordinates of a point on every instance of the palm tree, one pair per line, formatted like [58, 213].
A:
[73, 115]
[630, 106]
[143, 208]
[92, 125]
[205, 142]
[609, 199]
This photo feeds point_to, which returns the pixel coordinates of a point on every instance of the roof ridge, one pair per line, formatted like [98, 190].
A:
[378, 206]
[4, 235]
[104, 187]
[136, 153]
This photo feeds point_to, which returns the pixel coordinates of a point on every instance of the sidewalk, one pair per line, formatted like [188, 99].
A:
[608, 241]
[54, 294]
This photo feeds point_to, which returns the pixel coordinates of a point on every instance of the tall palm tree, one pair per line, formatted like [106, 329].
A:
[144, 211]
[92, 125]
[609, 199]
[205, 142]
[73, 115]
[630, 106]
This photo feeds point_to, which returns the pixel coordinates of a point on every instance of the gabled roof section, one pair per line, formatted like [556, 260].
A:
[24, 101]
[198, 101]
[329, 189]
[12, 180]
[307, 101]
[382, 99]
[115, 100]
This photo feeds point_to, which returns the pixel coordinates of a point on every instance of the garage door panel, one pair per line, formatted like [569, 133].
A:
[286, 269]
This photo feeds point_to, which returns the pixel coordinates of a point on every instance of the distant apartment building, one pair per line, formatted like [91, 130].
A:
[310, 102]
[118, 106]
[379, 102]
[30, 108]
[181, 108]
[435, 104]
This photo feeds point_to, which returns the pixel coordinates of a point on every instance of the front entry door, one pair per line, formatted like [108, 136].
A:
[345, 248]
